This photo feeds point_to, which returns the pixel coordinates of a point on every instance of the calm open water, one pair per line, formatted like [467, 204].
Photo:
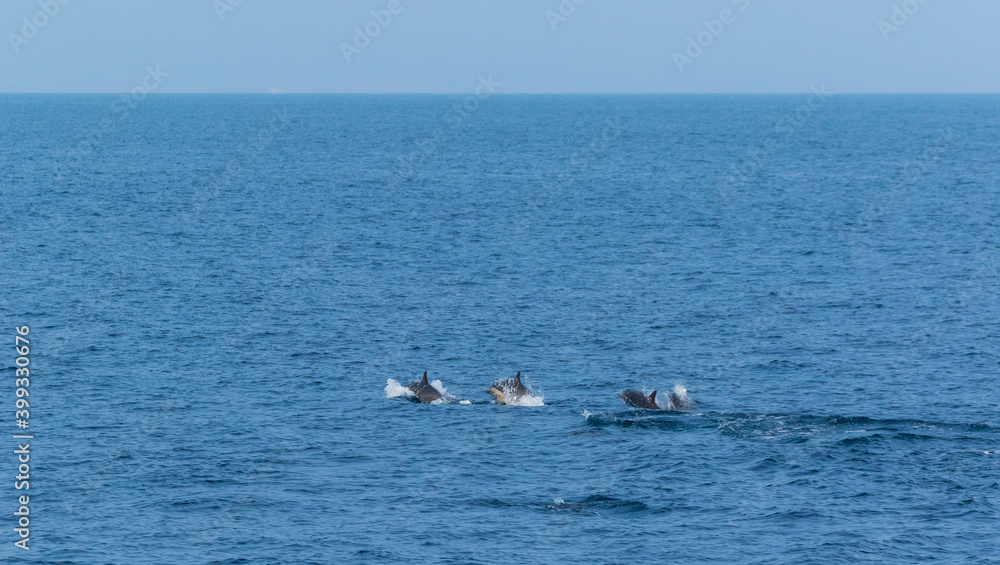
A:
[220, 287]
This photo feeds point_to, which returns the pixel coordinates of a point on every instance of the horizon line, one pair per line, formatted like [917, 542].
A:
[457, 93]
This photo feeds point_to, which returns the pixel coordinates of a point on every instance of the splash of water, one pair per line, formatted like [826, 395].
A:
[683, 401]
[528, 400]
[394, 390]
[436, 383]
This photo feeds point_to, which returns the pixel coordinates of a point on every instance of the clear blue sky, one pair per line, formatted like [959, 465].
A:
[628, 46]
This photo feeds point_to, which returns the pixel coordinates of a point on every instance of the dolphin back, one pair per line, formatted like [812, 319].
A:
[424, 391]
[637, 399]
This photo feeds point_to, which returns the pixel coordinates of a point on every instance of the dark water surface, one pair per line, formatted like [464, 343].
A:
[220, 287]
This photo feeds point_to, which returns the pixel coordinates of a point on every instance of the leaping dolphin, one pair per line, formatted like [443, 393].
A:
[635, 398]
[508, 390]
[424, 391]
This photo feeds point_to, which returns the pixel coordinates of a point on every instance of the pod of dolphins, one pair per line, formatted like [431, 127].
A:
[508, 391]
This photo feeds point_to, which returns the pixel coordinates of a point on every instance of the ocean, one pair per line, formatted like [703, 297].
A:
[222, 291]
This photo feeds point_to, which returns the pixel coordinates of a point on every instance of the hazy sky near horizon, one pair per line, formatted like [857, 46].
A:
[527, 46]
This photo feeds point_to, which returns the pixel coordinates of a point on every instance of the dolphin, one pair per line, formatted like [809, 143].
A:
[680, 401]
[508, 390]
[424, 391]
[635, 398]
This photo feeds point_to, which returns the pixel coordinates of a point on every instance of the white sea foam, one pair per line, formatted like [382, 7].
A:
[446, 397]
[436, 383]
[528, 400]
[394, 390]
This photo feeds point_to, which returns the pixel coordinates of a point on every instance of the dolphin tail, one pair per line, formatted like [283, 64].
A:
[425, 378]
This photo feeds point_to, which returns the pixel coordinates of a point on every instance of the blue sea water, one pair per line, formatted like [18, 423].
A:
[220, 288]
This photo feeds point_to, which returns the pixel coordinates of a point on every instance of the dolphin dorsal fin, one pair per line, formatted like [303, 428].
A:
[652, 397]
[425, 378]
[518, 377]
